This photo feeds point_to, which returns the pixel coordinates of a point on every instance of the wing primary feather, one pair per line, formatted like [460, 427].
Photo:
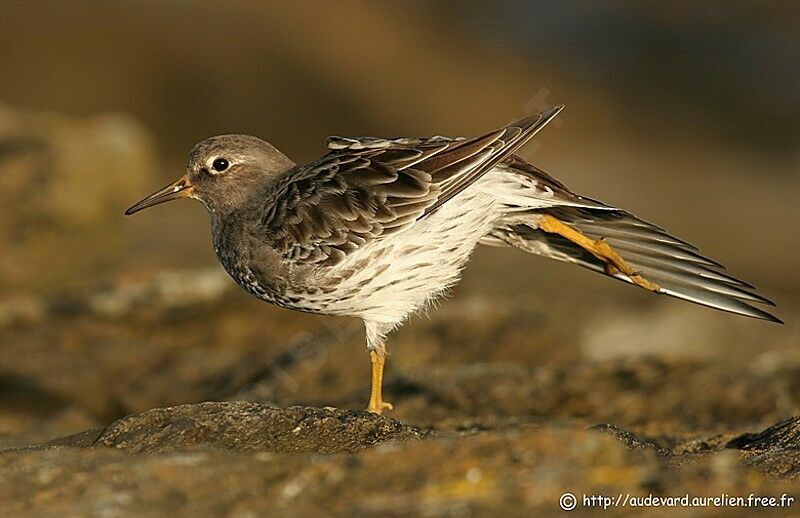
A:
[520, 132]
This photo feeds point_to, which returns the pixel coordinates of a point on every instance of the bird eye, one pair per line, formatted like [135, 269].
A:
[220, 164]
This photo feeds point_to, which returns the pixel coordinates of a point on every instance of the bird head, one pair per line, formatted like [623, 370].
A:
[221, 172]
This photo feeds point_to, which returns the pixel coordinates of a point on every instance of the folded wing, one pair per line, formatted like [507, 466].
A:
[367, 188]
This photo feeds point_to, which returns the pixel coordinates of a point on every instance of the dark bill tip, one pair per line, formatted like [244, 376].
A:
[181, 188]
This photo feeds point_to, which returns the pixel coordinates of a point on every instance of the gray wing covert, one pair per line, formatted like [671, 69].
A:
[367, 188]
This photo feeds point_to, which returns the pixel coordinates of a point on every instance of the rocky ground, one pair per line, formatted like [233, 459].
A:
[177, 394]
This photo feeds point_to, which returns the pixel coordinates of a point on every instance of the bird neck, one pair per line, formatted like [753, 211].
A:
[234, 196]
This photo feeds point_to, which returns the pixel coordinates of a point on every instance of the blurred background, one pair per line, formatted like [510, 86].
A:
[686, 114]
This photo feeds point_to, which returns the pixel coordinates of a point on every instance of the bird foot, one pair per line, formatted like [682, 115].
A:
[613, 262]
[377, 407]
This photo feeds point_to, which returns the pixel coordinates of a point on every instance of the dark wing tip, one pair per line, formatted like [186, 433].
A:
[763, 315]
[552, 112]
[538, 119]
[760, 314]
[769, 317]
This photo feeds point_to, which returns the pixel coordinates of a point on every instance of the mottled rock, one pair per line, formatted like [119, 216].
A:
[630, 439]
[512, 472]
[775, 450]
[243, 426]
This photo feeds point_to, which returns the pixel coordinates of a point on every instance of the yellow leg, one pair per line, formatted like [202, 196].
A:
[376, 402]
[598, 248]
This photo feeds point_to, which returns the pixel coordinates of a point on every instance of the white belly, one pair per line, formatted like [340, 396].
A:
[412, 268]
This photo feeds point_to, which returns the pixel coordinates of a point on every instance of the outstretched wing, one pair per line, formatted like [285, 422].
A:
[367, 188]
[674, 266]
